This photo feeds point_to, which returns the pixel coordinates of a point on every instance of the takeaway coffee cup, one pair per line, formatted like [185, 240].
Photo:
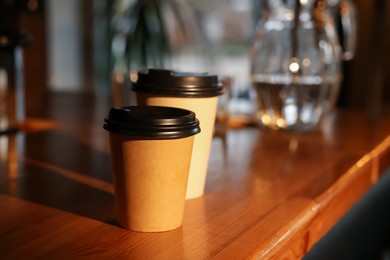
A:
[151, 150]
[197, 92]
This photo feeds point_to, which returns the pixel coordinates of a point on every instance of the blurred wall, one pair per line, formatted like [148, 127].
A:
[64, 41]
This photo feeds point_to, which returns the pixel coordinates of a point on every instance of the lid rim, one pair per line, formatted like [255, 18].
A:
[163, 81]
[153, 122]
[181, 94]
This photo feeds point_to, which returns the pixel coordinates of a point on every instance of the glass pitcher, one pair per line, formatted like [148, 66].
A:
[295, 64]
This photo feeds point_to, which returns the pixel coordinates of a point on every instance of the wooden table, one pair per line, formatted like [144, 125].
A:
[268, 194]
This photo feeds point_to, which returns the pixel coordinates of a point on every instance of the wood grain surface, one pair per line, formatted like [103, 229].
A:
[269, 195]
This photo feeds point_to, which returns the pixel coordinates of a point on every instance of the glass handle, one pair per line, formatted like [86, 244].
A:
[349, 26]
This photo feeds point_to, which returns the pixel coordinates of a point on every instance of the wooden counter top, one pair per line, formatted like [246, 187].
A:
[268, 194]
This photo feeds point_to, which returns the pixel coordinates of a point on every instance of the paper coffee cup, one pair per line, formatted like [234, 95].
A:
[151, 152]
[197, 92]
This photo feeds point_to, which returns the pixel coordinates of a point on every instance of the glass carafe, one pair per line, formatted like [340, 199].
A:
[295, 64]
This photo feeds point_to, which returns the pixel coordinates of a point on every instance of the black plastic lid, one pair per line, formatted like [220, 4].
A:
[152, 122]
[180, 84]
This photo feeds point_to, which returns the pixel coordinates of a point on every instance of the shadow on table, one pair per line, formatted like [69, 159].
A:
[58, 171]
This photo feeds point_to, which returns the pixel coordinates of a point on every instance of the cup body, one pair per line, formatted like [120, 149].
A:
[205, 109]
[150, 180]
[150, 151]
[197, 92]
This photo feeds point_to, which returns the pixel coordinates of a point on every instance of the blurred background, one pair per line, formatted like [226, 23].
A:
[77, 46]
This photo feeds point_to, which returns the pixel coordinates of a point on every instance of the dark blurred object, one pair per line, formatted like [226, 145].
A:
[11, 36]
[367, 79]
[18, 6]
[12, 104]
[364, 232]
[27, 20]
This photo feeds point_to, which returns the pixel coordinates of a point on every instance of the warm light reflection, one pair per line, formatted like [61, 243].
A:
[12, 156]
[3, 102]
[3, 148]
[133, 75]
[4, 40]
[293, 67]
[293, 145]
[266, 119]
[119, 78]
[32, 5]
[363, 161]
[3, 81]
[306, 62]
[281, 123]
[263, 185]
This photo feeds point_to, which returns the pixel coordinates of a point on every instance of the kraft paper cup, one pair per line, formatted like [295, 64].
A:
[151, 153]
[197, 92]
